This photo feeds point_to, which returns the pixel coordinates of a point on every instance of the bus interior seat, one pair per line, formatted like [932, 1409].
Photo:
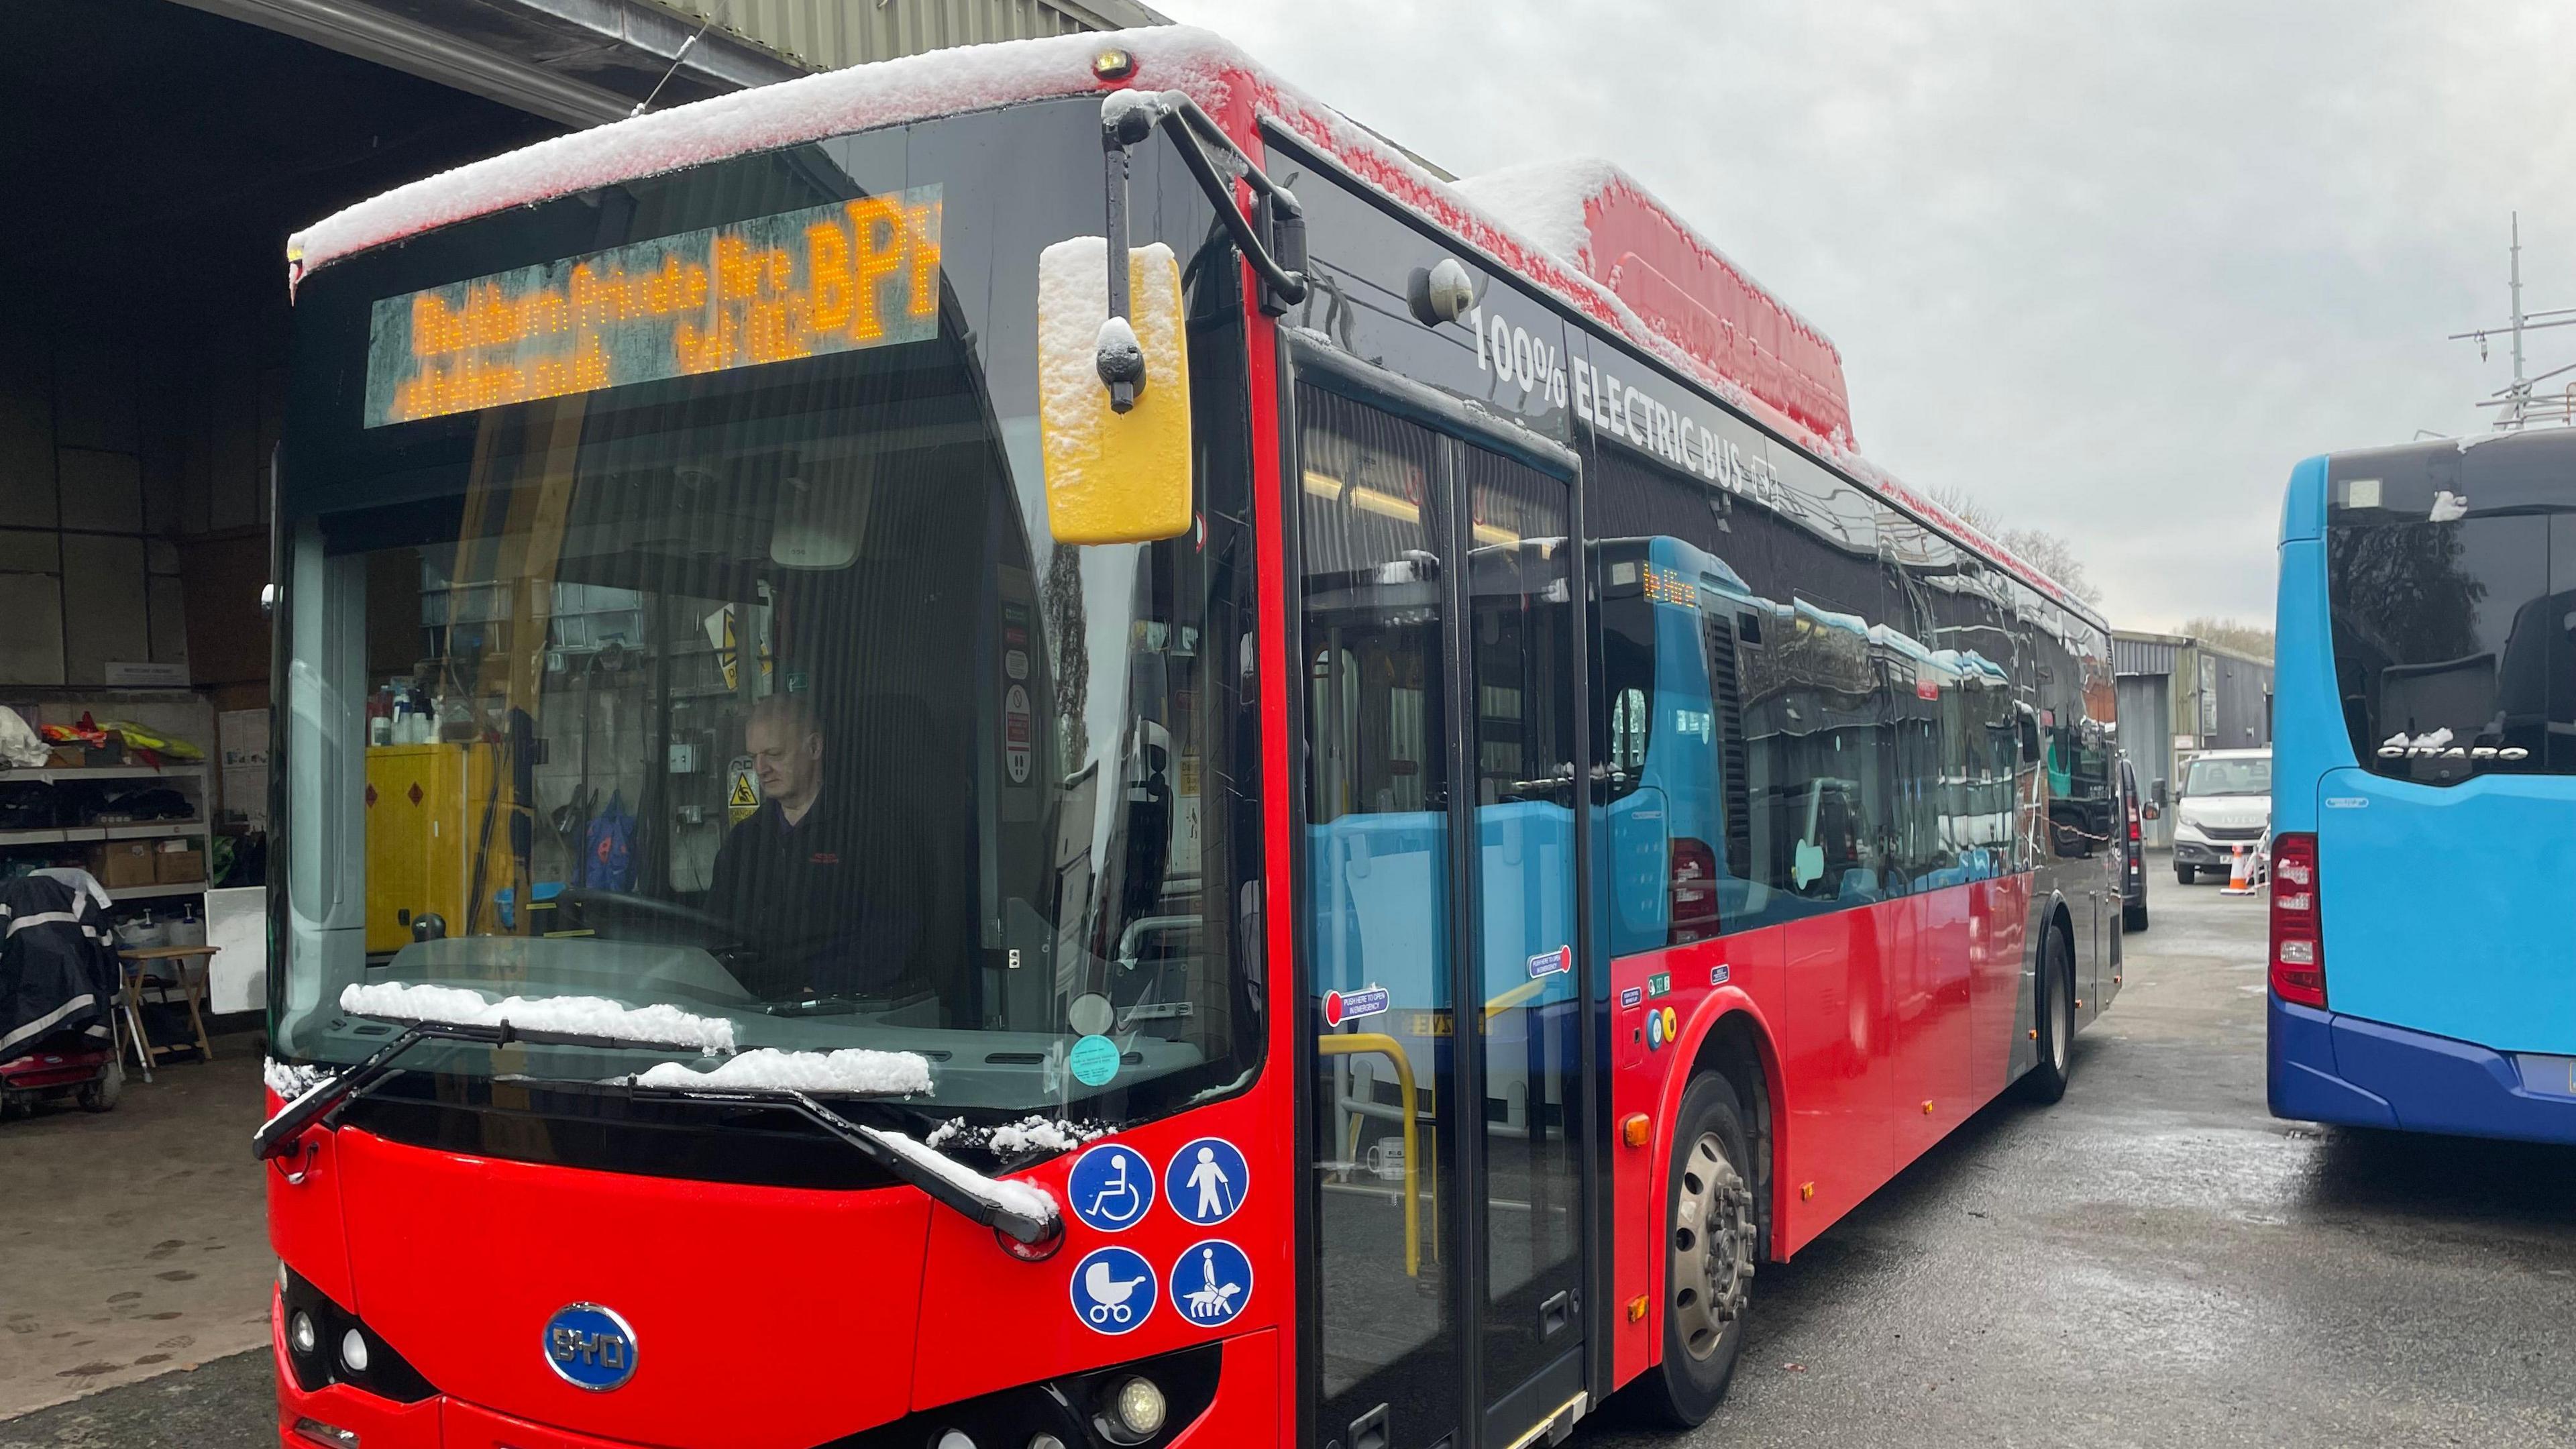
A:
[903, 746]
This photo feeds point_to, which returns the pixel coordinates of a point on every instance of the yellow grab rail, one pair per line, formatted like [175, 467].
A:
[1370, 1043]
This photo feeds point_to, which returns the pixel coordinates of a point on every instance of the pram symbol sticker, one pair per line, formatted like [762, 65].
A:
[1211, 1283]
[1110, 1187]
[1113, 1290]
[1206, 1181]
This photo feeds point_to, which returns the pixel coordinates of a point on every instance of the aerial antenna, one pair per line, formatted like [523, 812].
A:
[678, 56]
[2517, 404]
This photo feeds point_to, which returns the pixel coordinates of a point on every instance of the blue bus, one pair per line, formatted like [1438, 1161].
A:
[2423, 933]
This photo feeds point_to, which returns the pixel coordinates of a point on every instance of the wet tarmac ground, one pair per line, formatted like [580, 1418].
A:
[2153, 1261]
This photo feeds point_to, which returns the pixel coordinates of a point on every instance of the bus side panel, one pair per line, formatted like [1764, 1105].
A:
[1839, 1063]
[1934, 1017]
[2308, 735]
[1996, 910]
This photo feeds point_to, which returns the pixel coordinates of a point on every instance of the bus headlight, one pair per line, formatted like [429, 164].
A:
[1136, 1409]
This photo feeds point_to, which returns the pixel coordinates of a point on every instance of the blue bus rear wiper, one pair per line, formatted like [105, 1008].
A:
[278, 1134]
[1022, 1212]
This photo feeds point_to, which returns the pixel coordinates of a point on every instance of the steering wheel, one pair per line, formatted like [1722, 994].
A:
[617, 916]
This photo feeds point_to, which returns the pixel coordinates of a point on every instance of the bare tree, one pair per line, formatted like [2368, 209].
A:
[2233, 634]
[2037, 547]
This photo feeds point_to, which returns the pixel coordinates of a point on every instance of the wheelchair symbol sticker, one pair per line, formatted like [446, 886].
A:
[1110, 1187]
[1211, 1283]
[1206, 1180]
[1113, 1290]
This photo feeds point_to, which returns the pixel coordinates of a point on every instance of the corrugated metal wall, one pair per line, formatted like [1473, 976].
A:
[2244, 703]
[830, 34]
[2146, 714]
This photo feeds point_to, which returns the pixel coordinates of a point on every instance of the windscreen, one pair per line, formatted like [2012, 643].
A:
[2246, 775]
[2451, 575]
[674, 622]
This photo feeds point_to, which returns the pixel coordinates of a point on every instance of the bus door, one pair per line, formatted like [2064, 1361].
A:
[1450, 1118]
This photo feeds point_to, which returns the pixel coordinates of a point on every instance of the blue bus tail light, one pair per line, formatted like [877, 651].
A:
[2298, 934]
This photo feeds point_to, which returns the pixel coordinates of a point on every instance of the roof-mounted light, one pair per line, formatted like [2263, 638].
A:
[1114, 63]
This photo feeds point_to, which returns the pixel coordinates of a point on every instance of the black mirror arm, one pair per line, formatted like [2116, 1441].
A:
[1127, 118]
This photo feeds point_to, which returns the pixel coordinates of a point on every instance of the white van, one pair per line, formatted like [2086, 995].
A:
[2226, 802]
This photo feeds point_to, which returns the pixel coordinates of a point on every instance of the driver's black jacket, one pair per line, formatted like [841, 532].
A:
[828, 904]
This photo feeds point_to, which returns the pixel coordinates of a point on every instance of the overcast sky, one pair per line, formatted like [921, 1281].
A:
[2110, 266]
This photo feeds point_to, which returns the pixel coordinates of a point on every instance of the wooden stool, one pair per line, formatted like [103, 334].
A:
[192, 988]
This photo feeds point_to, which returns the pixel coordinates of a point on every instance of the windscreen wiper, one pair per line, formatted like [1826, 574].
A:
[1010, 1208]
[278, 1134]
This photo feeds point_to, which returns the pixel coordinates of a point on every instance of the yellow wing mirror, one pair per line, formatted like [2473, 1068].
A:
[1113, 475]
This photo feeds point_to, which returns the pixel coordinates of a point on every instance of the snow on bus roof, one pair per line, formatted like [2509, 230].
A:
[1525, 220]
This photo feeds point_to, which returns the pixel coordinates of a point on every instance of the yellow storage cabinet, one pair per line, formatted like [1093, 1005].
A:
[425, 808]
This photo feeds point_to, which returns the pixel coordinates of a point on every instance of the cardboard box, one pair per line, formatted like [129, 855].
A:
[66, 757]
[185, 865]
[122, 863]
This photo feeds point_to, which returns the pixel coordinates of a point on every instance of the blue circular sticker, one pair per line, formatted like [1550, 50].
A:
[1094, 1061]
[1113, 1290]
[1211, 1283]
[1110, 1187]
[590, 1347]
[1206, 1181]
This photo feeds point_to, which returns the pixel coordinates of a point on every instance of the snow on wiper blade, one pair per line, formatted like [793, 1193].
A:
[322, 1092]
[853, 1070]
[1022, 1211]
[572, 1020]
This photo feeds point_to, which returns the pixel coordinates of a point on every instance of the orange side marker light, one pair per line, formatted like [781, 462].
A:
[1636, 1129]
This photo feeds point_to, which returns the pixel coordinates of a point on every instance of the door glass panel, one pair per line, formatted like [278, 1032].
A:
[1520, 657]
[1378, 882]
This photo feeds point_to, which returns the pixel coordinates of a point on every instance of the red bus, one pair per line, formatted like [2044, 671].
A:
[1032, 747]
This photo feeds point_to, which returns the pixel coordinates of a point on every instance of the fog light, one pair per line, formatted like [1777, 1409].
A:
[299, 1332]
[353, 1351]
[955, 1439]
[1045, 1440]
[321, 1433]
[1138, 1408]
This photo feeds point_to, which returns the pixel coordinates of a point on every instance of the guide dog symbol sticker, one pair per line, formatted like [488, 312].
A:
[1212, 1282]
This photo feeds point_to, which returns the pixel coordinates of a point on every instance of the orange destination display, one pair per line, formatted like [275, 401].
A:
[799, 284]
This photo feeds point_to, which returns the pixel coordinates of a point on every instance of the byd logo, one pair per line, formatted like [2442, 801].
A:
[590, 1347]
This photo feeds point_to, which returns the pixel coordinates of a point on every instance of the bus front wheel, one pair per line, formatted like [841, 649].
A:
[1714, 1235]
[2055, 1018]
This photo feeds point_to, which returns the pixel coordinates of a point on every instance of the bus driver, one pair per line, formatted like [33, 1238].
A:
[787, 876]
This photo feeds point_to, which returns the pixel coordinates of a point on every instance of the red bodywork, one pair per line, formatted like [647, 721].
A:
[1880, 1028]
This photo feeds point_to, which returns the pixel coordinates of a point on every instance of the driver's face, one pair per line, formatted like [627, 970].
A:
[788, 762]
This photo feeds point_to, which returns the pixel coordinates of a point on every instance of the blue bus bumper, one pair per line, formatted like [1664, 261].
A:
[2324, 1067]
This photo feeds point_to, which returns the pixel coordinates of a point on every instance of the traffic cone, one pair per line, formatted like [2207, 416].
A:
[2240, 872]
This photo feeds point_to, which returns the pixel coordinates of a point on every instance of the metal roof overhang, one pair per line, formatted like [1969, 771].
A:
[579, 62]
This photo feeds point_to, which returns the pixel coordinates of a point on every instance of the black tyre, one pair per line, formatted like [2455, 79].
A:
[1713, 1215]
[2054, 1012]
[2184, 873]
